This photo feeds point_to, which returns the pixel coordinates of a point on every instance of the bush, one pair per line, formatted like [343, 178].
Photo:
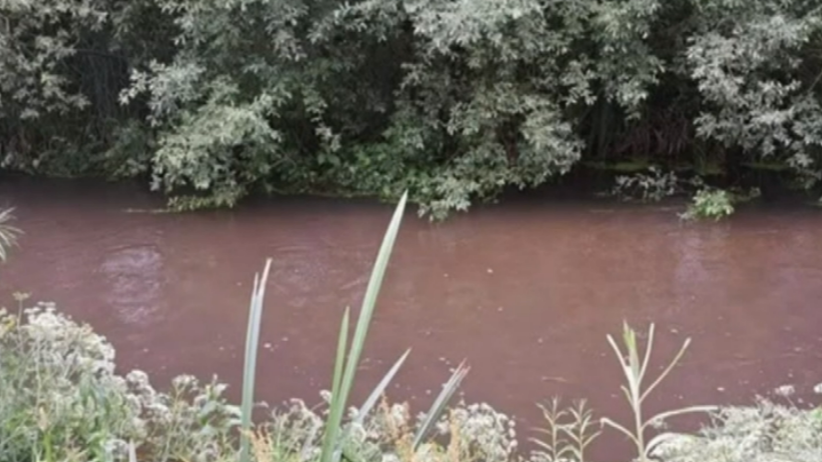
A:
[62, 400]
[767, 432]
[453, 101]
[651, 187]
[710, 203]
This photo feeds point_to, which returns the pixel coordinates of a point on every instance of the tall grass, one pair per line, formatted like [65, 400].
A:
[568, 433]
[250, 367]
[634, 370]
[347, 359]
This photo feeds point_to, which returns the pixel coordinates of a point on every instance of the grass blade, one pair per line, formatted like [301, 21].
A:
[647, 359]
[371, 293]
[339, 362]
[330, 454]
[616, 426]
[667, 369]
[336, 408]
[439, 404]
[8, 234]
[132, 452]
[676, 412]
[380, 388]
[252, 341]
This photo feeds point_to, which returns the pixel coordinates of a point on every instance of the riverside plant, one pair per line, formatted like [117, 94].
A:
[634, 370]
[568, 433]
[651, 187]
[767, 432]
[345, 366]
[710, 203]
[80, 411]
[63, 401]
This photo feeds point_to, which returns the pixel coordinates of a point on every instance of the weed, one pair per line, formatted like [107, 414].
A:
[766, 432]
[710, 203]
[651, 187]
[568, 432]
[634, 370]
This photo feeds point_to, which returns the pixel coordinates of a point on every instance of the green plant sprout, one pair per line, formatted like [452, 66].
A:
[566, 438]
[634, 372]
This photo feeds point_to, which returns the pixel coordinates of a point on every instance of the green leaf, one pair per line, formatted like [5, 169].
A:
[330, 451]
[439, 404]
[250, 366]
[380, 388]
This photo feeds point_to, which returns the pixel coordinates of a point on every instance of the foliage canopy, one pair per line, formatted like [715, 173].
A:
[454, 100]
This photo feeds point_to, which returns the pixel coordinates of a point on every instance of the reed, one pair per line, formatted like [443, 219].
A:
[634, 370]
[347, 359]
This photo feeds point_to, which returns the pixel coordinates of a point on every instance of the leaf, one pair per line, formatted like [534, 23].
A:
[250, 366]
[330, 452]
[439, 404]
[380, 388]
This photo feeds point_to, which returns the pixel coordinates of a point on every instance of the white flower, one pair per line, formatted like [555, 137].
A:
[785, 390]
[138, 379]
[184, 381]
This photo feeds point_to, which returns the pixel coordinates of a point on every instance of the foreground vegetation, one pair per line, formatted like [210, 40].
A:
[453, 101]
[63, 401]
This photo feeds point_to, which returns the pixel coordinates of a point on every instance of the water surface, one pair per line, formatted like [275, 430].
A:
[525, 291]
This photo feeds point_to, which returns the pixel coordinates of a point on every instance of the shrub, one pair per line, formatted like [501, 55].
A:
[710, 203]
[767, 432]
[453, 101]
[651, 187]
[63, 401]
[471, 432]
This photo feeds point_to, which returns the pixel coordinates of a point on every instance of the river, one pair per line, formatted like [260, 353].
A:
[526, 291]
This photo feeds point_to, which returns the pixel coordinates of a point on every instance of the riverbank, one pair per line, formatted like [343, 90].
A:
[587, 183]
[81, 410]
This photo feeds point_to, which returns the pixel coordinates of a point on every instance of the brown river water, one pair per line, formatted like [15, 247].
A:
[525, 291]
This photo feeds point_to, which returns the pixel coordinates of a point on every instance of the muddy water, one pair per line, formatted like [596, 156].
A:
[526, 292]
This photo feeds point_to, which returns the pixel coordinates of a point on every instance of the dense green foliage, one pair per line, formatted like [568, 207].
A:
[453, 100]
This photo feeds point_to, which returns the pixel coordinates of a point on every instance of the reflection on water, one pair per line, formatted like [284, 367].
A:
[133, 280]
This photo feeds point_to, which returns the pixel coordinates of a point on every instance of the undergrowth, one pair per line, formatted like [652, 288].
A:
[62, 401]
